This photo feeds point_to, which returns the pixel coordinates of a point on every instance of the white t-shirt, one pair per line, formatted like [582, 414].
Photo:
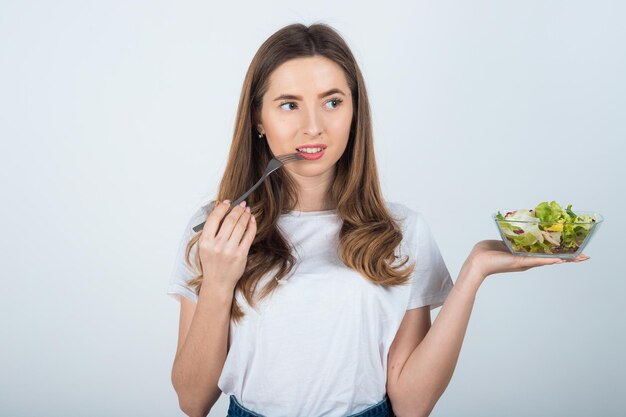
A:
[318, 345]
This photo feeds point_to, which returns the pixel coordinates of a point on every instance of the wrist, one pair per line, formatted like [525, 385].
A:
[470, 278]
[222, 292]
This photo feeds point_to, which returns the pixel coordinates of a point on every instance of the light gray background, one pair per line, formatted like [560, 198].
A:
[116, 118]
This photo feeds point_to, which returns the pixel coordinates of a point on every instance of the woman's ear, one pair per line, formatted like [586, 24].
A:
[256, 121]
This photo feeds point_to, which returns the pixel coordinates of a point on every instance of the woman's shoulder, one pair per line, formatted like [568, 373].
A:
[401, 211]
[198, 214]
[411, 221]
[205, 207]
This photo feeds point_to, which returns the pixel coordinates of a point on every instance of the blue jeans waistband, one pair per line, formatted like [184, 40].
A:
[380, 409]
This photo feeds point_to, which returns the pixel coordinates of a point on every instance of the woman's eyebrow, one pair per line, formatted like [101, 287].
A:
[322, 95]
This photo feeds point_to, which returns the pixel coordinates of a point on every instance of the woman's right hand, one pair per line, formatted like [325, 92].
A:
[224, 248]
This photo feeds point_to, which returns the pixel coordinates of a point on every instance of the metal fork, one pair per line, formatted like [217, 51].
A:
[274, 163]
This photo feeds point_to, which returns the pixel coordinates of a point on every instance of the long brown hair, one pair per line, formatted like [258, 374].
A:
[369, 234]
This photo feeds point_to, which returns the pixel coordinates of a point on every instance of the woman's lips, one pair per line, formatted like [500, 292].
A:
[312, 156]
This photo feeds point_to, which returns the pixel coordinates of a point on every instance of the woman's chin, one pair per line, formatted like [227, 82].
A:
[307, 168]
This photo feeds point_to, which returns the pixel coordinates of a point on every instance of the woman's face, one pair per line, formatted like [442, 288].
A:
[308, 102]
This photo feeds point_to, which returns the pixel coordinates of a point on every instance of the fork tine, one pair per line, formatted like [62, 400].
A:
[289, 157]
[285, 156]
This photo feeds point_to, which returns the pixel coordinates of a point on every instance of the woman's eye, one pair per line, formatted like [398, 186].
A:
[335, 102]
[289, 103]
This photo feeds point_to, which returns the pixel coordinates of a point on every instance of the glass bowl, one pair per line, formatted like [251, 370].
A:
[545, 239]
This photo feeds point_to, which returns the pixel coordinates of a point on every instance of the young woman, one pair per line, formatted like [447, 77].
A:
[314, 298]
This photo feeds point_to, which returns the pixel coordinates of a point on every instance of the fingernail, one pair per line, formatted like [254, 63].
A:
[243, 203]
[226, 201]
[248, 209]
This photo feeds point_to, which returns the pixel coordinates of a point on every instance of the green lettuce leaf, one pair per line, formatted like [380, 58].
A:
[550, 212]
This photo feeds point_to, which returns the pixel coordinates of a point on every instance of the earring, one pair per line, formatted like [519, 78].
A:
[260, 135]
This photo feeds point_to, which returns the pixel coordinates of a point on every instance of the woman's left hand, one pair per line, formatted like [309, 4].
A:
[490, 257]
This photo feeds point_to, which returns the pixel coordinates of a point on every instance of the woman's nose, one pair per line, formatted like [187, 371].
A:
[313, 124]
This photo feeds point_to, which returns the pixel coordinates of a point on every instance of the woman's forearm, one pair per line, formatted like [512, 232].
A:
[430, 366]
[199, 363]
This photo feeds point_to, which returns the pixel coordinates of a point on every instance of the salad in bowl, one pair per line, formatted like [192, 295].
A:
[548, 230]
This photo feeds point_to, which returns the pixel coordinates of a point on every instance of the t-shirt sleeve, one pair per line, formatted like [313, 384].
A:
[181, 273]
[431, 282]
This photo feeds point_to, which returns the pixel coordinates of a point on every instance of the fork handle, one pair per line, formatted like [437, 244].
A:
[247, 193]
[234, 203]
[272, 166]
